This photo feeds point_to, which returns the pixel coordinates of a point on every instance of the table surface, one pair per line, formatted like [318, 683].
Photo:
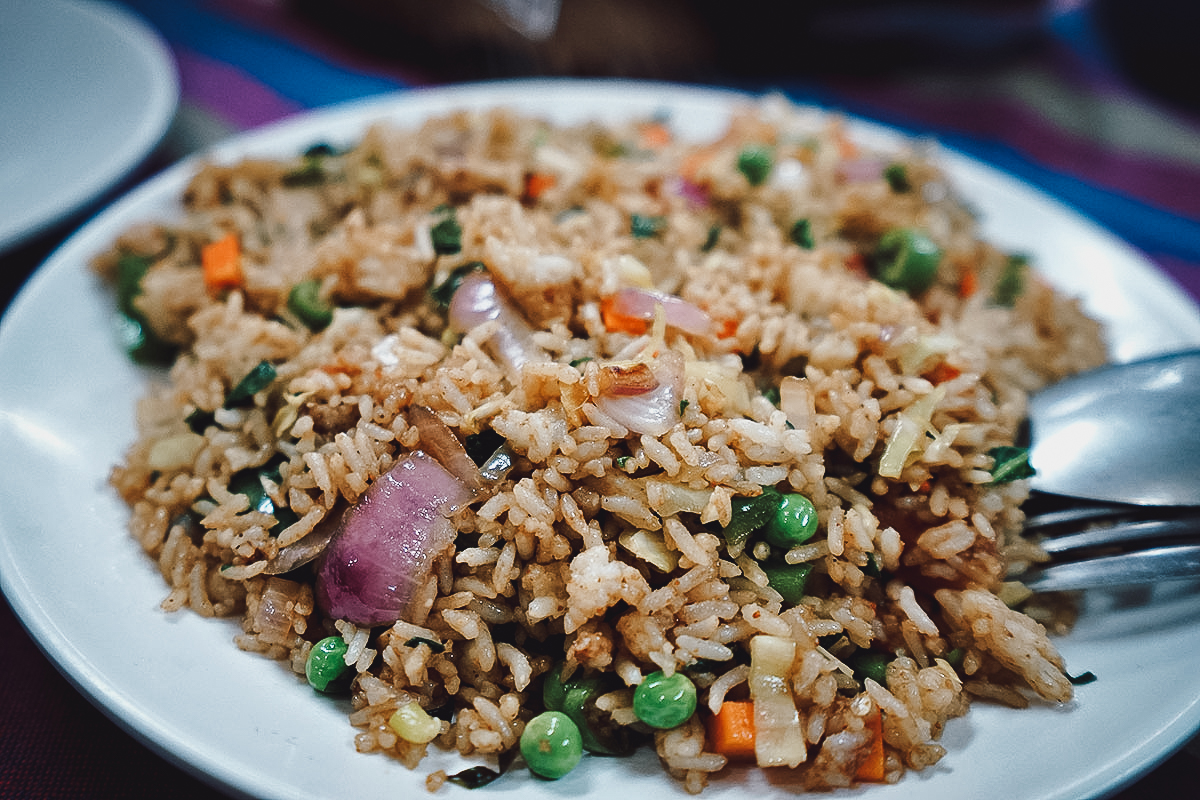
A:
[1044, 90]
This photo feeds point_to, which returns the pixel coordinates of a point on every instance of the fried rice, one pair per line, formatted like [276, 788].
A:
[675, 331]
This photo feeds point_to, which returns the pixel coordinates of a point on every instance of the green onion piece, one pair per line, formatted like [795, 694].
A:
[305, 301]
[1012, 281]
[443, 293]
[142, 344]
[447, 236]
[710, 241]
[577, 699]
[1010, 464]
[415, 641]
[755, 162]
[199, 420]
[801, 234]
[1082, 679]
[897, 177]
[749, 514]
[788, 579]
[474, 777]
[907, 259]
[259, 378]
[644, 226]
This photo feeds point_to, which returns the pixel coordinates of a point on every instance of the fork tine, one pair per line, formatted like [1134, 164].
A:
[1157, 564]
[1125, 532]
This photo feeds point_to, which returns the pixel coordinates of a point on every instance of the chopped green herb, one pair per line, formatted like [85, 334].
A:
[1011, 464]
[749, 514]
[788, 579]
[259, 378]
[755, 162]
[1083, 679]
[311, 171]
[683, 404]
[447, 236]
[478, 777]
[622, 461]
[644, 226]
[710, 241]
[575, 362]
[436, 647]
[801, 234]
[199, 420]
[139, 339]
[443, 293]
[1012, 281]
[772, 395]
[897, 177]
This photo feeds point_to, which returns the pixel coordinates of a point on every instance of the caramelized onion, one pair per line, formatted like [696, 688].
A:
[443, 445]
[652, 411]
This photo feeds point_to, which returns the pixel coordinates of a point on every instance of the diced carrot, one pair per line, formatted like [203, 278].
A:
[874, 767]
[941, 373]
[655, 134]
[537, 183]
[856, 264]
[727, 328]
[968, 284]
[731, 730]
[617, 322]
[221, 262]
[694, 162]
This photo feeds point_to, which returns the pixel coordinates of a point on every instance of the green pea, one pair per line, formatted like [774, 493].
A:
[907, 259]
[788, 579]
[794, 521]
[868, 664]
[305, 301]
[551, 744]
[326, 663]
[664, 701]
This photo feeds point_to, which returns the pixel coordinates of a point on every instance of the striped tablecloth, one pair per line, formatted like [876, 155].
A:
[1058, 116]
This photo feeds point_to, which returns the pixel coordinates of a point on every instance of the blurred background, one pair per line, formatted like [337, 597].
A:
[1094, 101]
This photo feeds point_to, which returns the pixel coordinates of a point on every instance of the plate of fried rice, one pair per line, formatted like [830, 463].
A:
[576, 438]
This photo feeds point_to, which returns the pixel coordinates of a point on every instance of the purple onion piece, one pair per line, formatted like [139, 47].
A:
[478, 300]
[385, 546]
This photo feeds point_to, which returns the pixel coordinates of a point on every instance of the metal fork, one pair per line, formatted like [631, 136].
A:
[1094, 545]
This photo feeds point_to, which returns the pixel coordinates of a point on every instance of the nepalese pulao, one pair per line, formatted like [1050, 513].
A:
[544, 440]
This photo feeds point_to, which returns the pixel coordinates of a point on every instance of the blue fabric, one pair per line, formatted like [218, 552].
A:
[293, 73]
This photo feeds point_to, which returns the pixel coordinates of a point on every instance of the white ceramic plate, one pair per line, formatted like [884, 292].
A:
[88, 91]
[88, 595]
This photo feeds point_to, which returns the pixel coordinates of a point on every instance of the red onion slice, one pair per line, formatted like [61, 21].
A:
[385, 546]
[643, 304]
[477, 301]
